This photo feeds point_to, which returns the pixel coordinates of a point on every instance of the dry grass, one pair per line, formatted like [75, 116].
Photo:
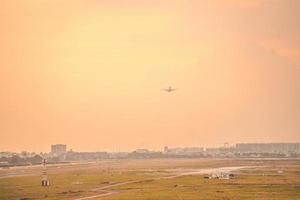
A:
[82, 180]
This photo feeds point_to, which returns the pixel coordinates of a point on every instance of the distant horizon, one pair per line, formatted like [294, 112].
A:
[151, 149]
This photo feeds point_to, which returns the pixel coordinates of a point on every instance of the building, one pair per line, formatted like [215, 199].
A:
[284, 148]
[187, 151]
[166, 149]
[72, 156]
[142, 151]
[212, 150]
[58, 149]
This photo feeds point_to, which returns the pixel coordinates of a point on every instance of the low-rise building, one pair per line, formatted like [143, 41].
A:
[284, 148]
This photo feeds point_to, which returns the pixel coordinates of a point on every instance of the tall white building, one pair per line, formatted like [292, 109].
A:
[58, 149]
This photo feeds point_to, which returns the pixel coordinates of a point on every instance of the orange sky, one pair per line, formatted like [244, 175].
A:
[89, 73]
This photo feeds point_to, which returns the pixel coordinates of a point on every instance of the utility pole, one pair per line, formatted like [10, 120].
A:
[45, 180]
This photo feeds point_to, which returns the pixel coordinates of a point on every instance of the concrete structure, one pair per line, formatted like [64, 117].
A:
[188, 151]
[285, 148]
[72, 156]
[212, 150]
[142, 151]
[166, 149]
[58, 149]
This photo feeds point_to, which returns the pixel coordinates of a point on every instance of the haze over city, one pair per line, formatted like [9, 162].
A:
[90, 73]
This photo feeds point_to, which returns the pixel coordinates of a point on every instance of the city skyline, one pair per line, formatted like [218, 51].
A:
[162, 148]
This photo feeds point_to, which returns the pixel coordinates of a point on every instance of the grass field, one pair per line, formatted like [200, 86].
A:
[155, 180]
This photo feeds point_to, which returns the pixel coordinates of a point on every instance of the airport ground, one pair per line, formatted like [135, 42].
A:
[156, 179]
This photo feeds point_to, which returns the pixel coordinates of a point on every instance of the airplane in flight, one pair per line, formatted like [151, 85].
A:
[169, 89]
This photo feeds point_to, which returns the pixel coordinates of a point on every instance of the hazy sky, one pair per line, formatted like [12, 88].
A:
[89, 73]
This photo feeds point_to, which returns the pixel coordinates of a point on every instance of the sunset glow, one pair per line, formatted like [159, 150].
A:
[90, 73]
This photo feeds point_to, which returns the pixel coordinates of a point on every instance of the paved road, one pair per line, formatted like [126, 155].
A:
[99, 195]
[106, 193]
